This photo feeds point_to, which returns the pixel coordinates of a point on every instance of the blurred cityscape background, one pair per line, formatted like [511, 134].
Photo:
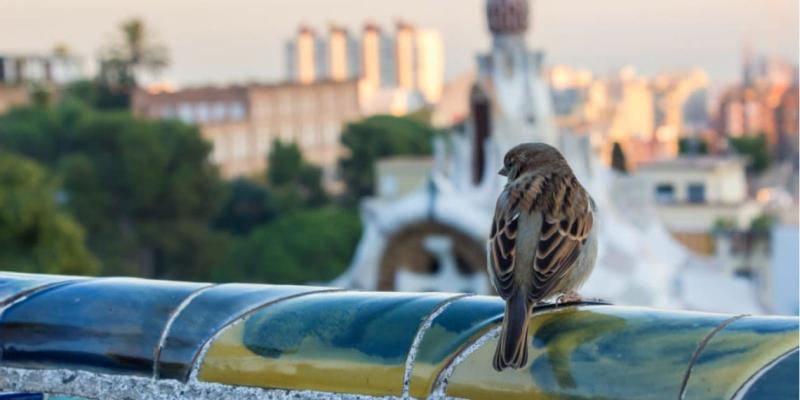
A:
[356, 143]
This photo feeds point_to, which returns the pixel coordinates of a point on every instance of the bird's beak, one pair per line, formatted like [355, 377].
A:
[503, 171]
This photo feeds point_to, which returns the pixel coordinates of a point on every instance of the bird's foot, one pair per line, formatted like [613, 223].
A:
[568, 298]
[595, 300]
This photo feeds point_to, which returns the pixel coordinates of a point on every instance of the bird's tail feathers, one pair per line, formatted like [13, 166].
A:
[512, 349]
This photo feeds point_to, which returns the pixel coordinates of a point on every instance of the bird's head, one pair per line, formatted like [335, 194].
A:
[528, 156]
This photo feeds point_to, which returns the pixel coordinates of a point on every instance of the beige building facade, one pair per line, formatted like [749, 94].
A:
[693, 194]
[399, 176]
[241, 122]
[12, 96]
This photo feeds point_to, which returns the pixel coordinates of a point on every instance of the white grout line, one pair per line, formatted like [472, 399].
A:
[201, 355]
[175, 313]
[440, 387]
[424, 326]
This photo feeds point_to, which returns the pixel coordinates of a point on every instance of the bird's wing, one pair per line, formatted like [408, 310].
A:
[516, 197]
[566, 223]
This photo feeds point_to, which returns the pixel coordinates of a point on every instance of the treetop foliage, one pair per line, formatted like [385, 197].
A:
[36, 235]
[375, 137]
[139, 187]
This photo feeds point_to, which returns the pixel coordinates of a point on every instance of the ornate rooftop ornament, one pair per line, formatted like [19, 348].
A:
[507, 16]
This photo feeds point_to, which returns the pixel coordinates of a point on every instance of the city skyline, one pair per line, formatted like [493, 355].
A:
[245, 40]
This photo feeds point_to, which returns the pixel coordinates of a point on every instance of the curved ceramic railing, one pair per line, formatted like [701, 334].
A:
[119, 338]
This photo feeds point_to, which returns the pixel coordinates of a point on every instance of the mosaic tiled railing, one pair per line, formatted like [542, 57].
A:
[118, 338]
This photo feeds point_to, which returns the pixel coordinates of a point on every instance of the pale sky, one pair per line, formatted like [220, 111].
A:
[218, 41]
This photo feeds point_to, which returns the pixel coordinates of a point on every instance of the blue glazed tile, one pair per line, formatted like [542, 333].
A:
[14, 285]
[21, 396]
[110, 325]
[780, 381]
[209, 312]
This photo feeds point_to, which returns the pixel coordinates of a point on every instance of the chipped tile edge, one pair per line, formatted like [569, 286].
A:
[423, 328]
[168, 326]
[198, 359]
[440, 385]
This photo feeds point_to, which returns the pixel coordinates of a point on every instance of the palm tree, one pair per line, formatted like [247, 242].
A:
[141, 54]
[131, 55]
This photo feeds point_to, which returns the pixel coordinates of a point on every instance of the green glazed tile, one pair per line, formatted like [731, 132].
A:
[350, 342]
[592, 352]
[739, 351]
[463, 321]
[13, 284]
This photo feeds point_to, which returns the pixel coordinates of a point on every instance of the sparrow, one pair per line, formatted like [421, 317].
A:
[542, 241]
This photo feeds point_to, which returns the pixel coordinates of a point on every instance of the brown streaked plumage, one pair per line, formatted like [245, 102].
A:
[542, 241]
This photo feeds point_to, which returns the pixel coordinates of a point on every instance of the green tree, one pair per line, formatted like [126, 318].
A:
[691, 146]
[377, 137]
[91, 94]
[284, 162]
[618, 162]
[312, 245]
[294, 181]
[144, 190]
[755, 148]
[36, 235]
[248, 205]
[723, 224]
[762, 223]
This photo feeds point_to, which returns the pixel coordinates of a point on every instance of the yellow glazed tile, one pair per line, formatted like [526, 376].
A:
[228, 361]
[338, 342]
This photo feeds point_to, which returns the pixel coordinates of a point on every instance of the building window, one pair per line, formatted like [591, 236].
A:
[305, 137]
[218, 149]
[332, 132]
[329, 101]
[263, 143]
[218, 112]
[236, 111]
[202, 112]
[665, 193]
[696, 193]
[239, 145]
[185, 113]
[285, 103]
